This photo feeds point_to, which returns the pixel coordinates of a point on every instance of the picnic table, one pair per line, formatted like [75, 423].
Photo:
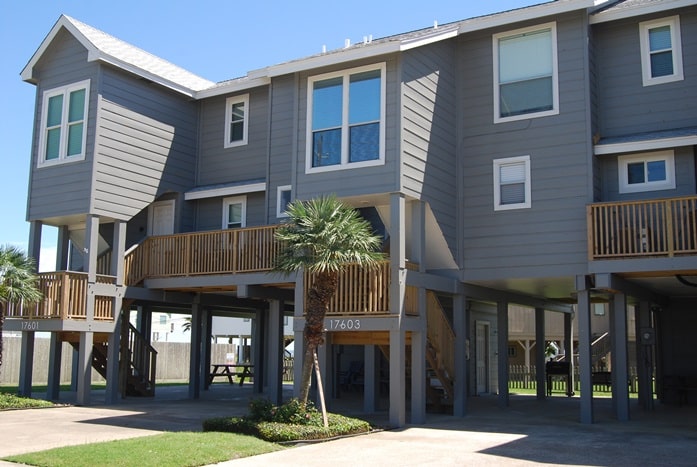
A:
[228, 370]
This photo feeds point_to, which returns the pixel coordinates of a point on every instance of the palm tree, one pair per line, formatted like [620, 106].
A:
[17, 282]
[323, 236]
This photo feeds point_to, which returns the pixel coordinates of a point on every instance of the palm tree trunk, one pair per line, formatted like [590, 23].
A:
[306, 375]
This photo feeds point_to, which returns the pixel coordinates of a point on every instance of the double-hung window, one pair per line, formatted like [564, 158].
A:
[512, 183]
[525, 73]
[283, 199]
[661, 51]
[236, 120]
[64, 124]
[647, 172]
[234, 212]
[346, 119]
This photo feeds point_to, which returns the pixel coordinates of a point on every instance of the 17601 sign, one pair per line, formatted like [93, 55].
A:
[344, 324]
[30, 325]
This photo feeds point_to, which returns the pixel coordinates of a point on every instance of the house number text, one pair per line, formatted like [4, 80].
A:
[30, 325]
[344, 324]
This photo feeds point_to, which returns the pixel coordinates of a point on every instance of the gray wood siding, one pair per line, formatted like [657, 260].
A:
[282, 141]
[548, 239]
[146, 145]
[64, 189]
[626, 106]
[209, 212]
[429, 131]
[684, 178]
[352, 181]
[218, 164]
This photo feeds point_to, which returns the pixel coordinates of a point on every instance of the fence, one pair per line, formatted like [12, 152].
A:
[523, 377]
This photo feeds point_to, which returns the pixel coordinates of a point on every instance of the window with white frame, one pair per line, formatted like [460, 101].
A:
[661, 51]
[512, 183]
[346, 119]
[647, 172]
[283, 199]
[234, 212]
[236, 120]
[64, 124]
[525, 73]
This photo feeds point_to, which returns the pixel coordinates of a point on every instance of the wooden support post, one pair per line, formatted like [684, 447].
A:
[462, 354]
[54, 367]
[275, 352]
[569, 352]
[540, 379]
[26, 363]
[583, 308]
[195, 352]
[620, 372]
[84, 375]
[502, 332]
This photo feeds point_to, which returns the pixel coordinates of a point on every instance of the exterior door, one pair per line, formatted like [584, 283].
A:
[161, 218]
[481, 356]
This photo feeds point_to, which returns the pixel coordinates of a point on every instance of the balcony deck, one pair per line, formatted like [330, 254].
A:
[221, 252]
[633, 229]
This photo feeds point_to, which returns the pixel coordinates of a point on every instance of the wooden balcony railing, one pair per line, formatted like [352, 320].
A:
[661, 227]
[64, 297]
[229, 251]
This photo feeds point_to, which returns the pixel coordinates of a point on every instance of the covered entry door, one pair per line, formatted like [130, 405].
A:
[161, 219]
[481, 356]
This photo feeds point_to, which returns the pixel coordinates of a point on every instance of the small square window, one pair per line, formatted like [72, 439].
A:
[235, 212]
[283, 199]
[646, 172]
[512, 183]
[236, 120]
[661, 51]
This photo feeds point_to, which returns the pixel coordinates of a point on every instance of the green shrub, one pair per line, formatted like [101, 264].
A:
[289, 422]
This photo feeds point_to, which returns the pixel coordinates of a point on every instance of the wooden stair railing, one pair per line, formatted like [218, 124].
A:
[440, 344]
[138, 375]
[600, 347]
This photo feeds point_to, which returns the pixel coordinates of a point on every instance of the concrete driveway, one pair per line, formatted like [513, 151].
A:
[528, 432]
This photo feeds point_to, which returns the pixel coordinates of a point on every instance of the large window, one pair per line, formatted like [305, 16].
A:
[647, 172]
[661, 51]
[236, 120]
[525, 73]
[512, 183]
[64, 124]
[234, 212]
[346, 119]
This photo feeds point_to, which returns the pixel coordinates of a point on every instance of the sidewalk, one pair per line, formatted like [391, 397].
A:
[528, 432]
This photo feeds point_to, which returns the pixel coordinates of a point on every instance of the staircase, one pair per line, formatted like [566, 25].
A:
[137, 377]
[600, 347]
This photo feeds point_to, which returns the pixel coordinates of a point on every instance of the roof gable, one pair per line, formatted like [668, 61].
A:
[108, 49]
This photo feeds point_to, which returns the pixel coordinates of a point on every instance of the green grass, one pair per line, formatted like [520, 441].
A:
[170, 449]
[596, 393]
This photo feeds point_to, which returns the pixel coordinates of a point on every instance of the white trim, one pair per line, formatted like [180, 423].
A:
[229, 102]
[676, 50]
[65, 91]
[280, 211]
[234, 200]
[614, 14]
[498, 163]
[236, 85]
[552, 26]
[623, 175]
[225, 191]
[648, 145]
[345, 164]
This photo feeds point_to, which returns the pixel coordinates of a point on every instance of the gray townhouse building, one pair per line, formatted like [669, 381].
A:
[542, 157]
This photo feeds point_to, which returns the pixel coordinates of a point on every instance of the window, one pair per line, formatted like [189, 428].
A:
[63, 124]
[234, 212]
[525, 73]
[236, 120]
[512, 183]
[661, 51]
[647, 172]
[345, 119]
[283, 198]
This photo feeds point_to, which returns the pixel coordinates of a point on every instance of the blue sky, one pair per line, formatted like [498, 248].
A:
[217, 40]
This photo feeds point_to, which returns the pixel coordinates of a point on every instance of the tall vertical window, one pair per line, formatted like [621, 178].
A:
[661, 51]
[525, 73]
[512, 183]
[283, 199]
[63, 123]
[236, 120]
[346, 119]
[235, 212]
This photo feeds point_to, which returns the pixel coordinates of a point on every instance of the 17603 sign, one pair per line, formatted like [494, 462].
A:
[344, 324]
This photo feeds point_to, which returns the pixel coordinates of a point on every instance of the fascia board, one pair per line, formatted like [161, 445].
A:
[639, 10]
[241, 85]
[649, 145]
[225, 191]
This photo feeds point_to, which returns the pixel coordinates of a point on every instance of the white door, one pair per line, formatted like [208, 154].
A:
[481, 356]
[161, 219]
